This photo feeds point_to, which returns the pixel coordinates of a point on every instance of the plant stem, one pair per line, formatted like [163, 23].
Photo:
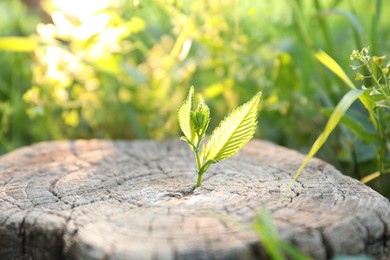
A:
[373, 75]
[199, 163]
[300, 24]
[198, 159]
[375, 23]
[199, 181]
[324, 28]
[201, 171]
[197, 155]
[381, 152]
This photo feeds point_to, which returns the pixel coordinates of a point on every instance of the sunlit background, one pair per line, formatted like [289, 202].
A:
[119, 69]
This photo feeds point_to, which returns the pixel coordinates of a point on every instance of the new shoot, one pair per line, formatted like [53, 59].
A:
[226, 139]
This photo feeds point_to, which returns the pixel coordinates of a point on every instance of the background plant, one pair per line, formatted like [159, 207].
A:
[124, 78]
[376, 100]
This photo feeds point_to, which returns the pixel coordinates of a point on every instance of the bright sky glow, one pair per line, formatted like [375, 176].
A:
[80, 8]
[86, 12]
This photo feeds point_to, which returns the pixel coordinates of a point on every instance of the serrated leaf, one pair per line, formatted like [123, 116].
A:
[233, 132]
[184, 116]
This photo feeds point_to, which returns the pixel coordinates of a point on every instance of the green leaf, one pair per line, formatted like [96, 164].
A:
[331, 64]
[233, 132]
[20, 44]
[275, 247]
[371, 177]
[333, 121]
[354, 20]
[379, 60]
[293, 252]
[359, 77]
[266, 230]
[355, 127]
[184, 115]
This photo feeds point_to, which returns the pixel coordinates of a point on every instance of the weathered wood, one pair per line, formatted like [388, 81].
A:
[137, 200]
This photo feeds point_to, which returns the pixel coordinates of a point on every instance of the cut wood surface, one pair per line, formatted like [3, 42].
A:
[137, 200]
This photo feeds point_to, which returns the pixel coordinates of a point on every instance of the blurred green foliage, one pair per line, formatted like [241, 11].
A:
[276, 248]
[119, 69]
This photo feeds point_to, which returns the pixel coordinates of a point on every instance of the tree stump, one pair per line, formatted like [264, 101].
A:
[137, 200]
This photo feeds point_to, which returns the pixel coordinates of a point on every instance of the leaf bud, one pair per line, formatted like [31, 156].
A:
[201, 116]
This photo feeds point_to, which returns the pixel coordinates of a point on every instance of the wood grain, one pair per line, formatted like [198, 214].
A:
[137, 200]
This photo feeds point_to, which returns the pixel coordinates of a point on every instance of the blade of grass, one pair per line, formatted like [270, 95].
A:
[354, 127]
[293, 252]
[324, 27]
[300, 23]
[276, 248]
[356, 25]
[357, 30]
[375, 19]
[333, 121]
[267, 233]
[370, 177]
[333, 66]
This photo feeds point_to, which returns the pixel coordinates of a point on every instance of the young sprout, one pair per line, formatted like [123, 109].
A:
[226, 140]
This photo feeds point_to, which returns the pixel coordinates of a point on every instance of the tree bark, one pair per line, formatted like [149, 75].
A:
[137, 200]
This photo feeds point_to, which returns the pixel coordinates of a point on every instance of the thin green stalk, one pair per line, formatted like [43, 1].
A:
[197, 155]
[381, 151]
[375, 18]
[301, 24]
[375, 78]
[384, 77]
[302, 28]
[325, 28]
[197, 149]
[202, 170]
[356, 26]
[199, 181]
[372, 75]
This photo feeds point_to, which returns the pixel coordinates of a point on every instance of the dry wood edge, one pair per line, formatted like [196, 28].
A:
[137, 200]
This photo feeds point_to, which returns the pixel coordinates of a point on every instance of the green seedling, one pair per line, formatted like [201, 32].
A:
[226, 139]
